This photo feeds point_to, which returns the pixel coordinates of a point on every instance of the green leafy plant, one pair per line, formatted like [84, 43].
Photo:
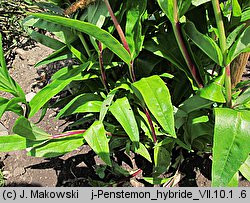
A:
[152, 79]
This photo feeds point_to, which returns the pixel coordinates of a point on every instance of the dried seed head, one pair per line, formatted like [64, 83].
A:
[79, 4]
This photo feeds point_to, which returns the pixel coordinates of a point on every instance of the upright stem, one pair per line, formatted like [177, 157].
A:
[150, 124]
[117, 26]
[223, 47]
[104, 79]
[178, 35]
[122, 37]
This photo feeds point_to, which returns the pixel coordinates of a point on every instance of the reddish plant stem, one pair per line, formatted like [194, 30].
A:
[117, 26]
[103, 75]
[150, 124]
[76, 132]
[184, 51]
[180, 41]
[228, 86]
[136, 173]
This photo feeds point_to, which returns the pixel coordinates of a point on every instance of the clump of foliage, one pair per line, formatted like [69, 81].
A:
[153, 79]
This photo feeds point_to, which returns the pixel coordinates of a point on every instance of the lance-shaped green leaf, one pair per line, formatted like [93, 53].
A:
[214, 91]
[205, 43]
[233, 35]
[241, 45]
[55, 147]
[83, 103]
[133, 33]
[157, 181]
[199, 2]
[158, 100]
[103, 36]
[7, 84]
[161, 160]
[11, 105]
[236, 8]
[245, 169]
[157, 45]
[231, 144]
[12, 142]
[97, 140]
[106, 104]
[55, 87]
[27, 129]
[142, 150]
[60, 54]
[168, 8]
[123, 112]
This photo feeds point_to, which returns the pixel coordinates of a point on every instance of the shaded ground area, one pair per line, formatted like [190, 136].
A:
[78, 167]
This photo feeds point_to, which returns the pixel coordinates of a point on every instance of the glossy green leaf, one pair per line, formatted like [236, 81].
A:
[245, 15]
[214, 91]
[142, 150]
[205, 43]
[83, 103]
[236, 8]
[27, 129]
[157, 181]
[11, 105]
[168, 8]
[134, 37]
[97, 13]
[183, 6]
[195, 103]
[11, 143]
[97, 140]
[106, 104]
[45, 40]
[161, 160]
[157, 45]
[231, 144]
[199, 2]
[123, 112]
[241, 45]
[55, 87]
[60, 54]
[63, 33]
[103, 36]
[233, 35]
[243, 99]
[245, 169]
[7, 84]
[158, 100]
[234, 182]
[55, 147]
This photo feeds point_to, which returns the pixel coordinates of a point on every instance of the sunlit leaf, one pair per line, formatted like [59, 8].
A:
[158, 100]
[231, 144]
[103, 36]
[55, 87]
[11, 143]
[123, 112]
[95, 136]
[27, 129]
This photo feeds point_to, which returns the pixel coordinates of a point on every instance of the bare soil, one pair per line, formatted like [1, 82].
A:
[75, 168]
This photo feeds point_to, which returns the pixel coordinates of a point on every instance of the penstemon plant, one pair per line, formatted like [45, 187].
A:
[152, 79]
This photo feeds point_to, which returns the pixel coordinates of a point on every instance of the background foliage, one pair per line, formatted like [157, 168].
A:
[152, 78]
